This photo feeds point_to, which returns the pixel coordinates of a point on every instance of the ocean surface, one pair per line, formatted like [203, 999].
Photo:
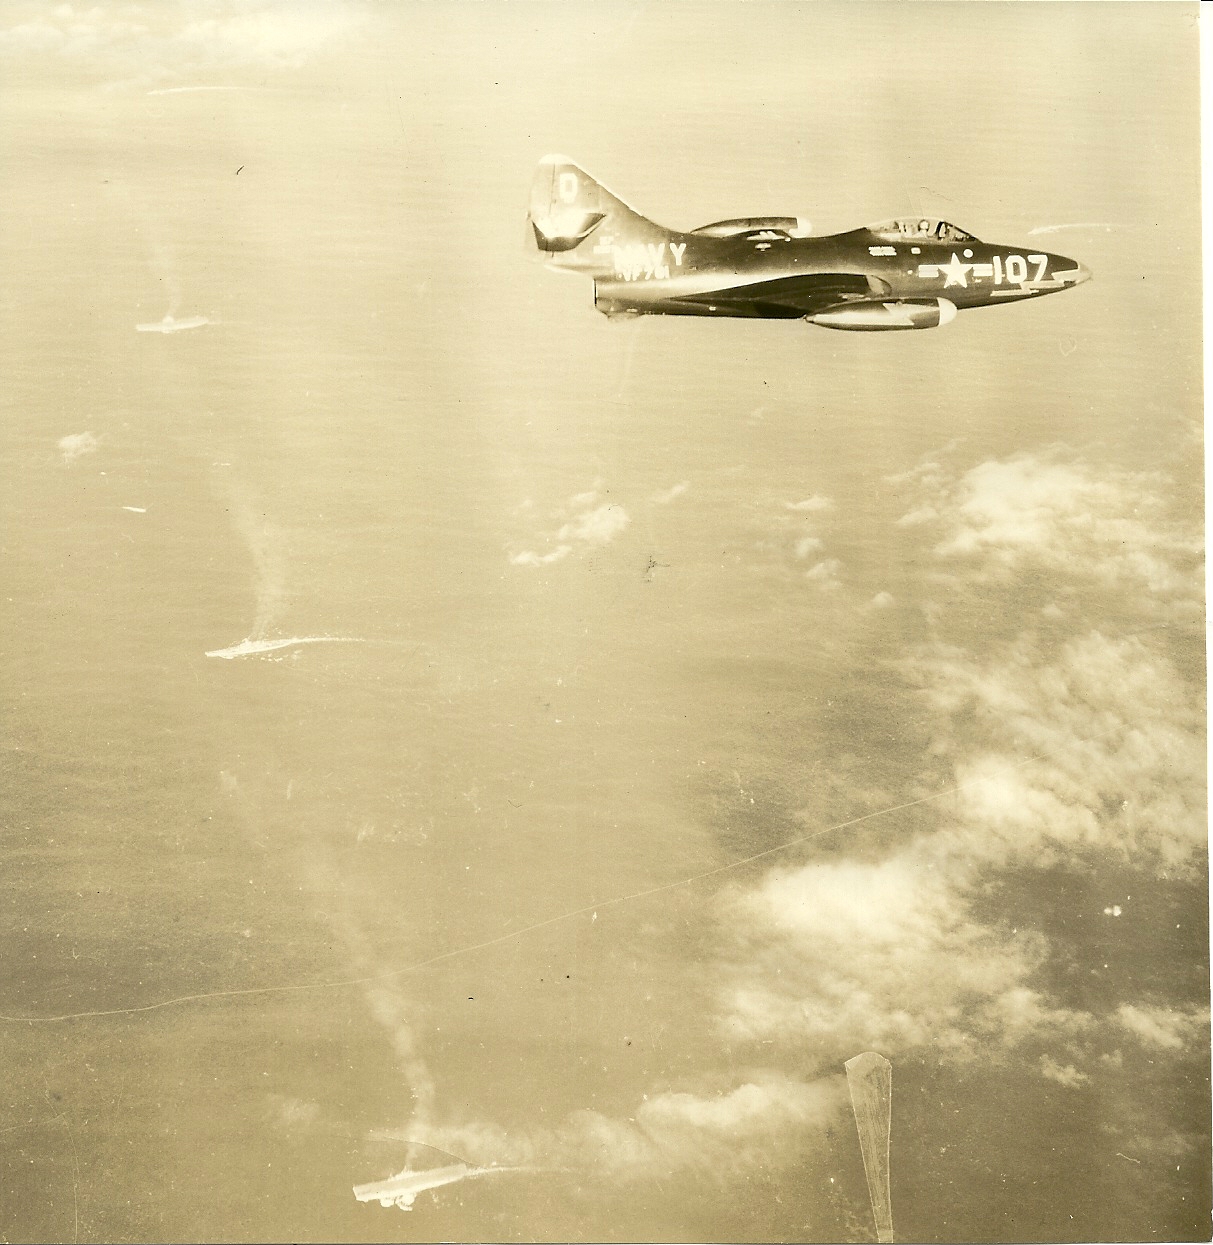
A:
[437, 716]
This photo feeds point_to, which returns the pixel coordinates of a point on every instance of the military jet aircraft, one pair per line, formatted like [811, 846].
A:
[909, 273]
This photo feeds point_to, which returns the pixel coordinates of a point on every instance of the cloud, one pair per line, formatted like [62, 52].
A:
[1066, 1075]
[1165, 1027]
[1074, 225]
[886, 955]
[825, 574]
[1058, 513]
[1040, 751]
[77, 445]
[273, 35]
[588, 522]
[1065, 749]
[1117, 744]
[529, 558]
[1056, 764]
[923, 514]
[598, 526]
[668, 495]
[785, 533]
[1035, 743]
[810, 505]
[755, 1123]
[927, 472]
[147, 44]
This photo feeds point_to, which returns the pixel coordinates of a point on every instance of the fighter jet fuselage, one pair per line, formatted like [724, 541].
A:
[909, 273]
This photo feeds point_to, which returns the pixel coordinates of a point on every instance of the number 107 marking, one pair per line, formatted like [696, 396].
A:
[1017, 268]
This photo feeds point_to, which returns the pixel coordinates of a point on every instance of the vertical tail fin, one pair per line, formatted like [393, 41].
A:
[577, 222]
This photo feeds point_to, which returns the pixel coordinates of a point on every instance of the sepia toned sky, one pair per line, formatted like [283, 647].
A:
[714, 701]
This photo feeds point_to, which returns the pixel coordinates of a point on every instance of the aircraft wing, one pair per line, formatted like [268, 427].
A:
[802, 295]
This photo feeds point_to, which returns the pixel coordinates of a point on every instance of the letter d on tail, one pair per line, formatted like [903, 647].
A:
[564, 205]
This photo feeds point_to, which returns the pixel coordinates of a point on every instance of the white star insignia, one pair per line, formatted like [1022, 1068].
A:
[956, 272]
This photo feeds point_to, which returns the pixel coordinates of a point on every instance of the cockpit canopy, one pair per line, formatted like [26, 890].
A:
[920, 229]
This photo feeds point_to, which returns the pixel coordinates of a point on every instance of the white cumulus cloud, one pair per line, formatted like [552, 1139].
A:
[529, 558]
[1116, 746]
[884, 955]
[825, 573]
[77, 444]
[1045, 751]
[1063, 1074]
[810, 505]
[1165, 1027]
[587, 522]
[666, 496]
[597, 526]
[1059, 513]
[744, 1128]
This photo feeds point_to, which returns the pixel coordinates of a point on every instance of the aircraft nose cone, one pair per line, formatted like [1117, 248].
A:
[1070, 270]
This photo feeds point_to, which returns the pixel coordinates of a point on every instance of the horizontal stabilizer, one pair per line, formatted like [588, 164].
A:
[568, 206]
[564, 230]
